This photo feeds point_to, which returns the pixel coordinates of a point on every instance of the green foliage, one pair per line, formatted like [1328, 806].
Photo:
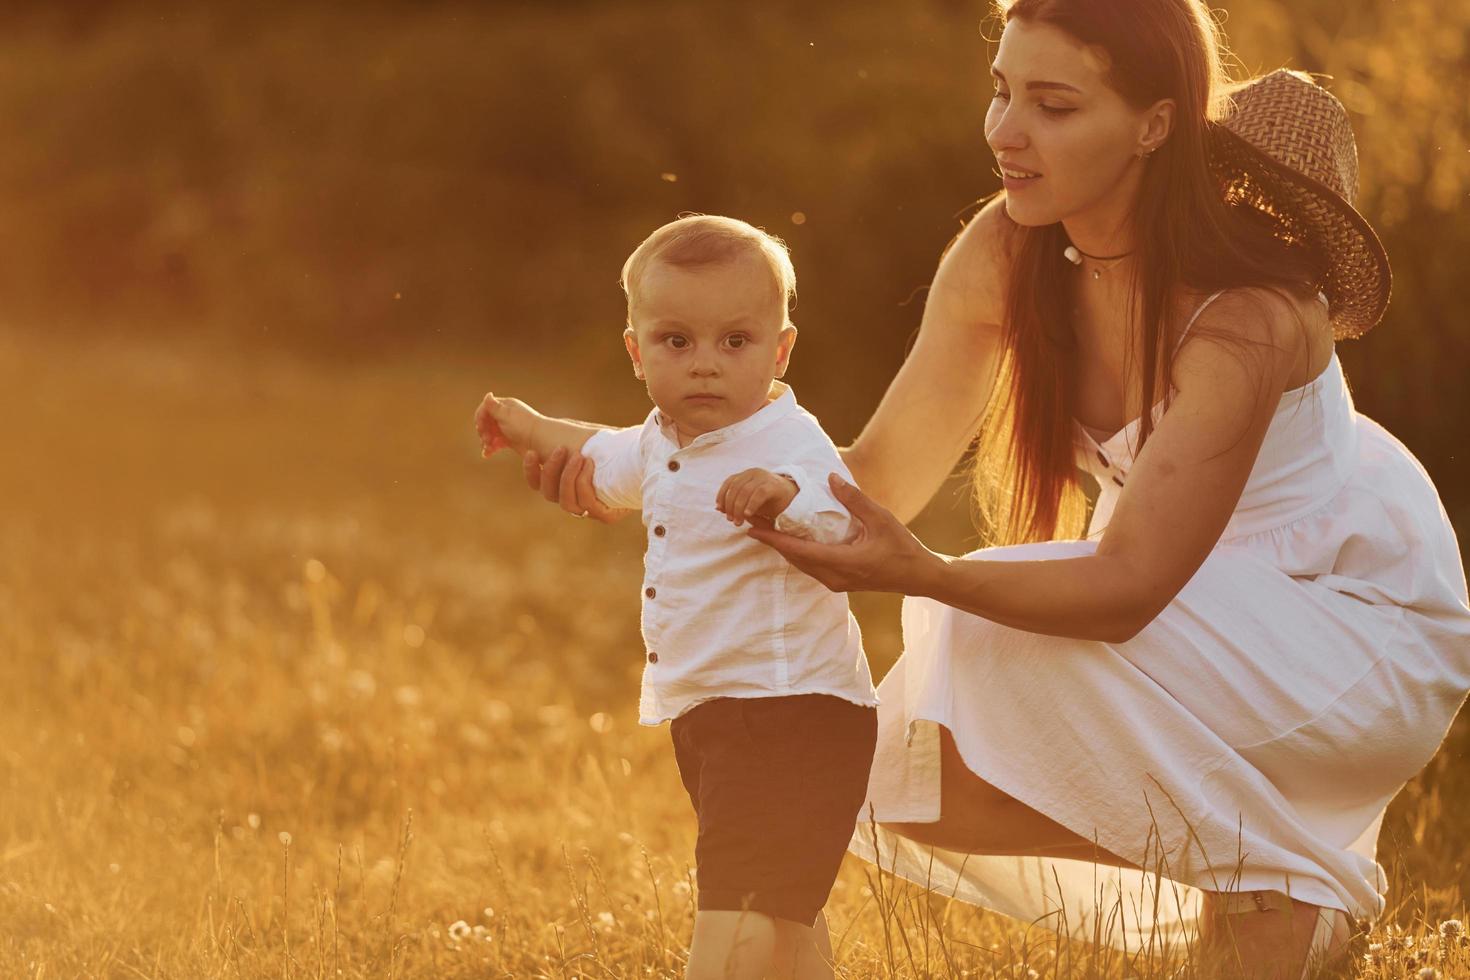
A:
[355, 181]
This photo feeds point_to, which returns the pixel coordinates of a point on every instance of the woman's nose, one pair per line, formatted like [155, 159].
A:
[1002, 131]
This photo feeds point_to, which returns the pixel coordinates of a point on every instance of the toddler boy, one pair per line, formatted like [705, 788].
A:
[758, 667]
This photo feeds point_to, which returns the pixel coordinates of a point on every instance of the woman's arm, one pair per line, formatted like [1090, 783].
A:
[931, 410]
[1178, 498]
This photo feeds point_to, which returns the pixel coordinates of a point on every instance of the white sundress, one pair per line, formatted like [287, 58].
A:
[1250, 737]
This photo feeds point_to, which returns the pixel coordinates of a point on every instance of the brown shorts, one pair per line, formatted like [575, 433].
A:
[776, 784]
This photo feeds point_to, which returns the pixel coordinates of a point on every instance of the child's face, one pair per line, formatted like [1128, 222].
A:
[708, 340]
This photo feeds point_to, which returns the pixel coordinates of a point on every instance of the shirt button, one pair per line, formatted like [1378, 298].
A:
[673, 466]
[1102, 459]
[650, 592]
[652, 658]
[659, 531]
[1116, 480]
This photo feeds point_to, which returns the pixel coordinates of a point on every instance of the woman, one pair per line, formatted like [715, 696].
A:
[1197, 710]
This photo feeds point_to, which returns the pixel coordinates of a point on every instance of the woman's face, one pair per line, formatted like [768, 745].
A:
[1053, 115]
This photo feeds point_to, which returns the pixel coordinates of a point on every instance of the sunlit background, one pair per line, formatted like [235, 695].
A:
[294, 681]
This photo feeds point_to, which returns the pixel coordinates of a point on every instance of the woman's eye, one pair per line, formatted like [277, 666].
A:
[1001, 95]
[1054, 110]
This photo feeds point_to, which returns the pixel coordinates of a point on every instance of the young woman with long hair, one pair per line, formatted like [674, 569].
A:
[1183, 711]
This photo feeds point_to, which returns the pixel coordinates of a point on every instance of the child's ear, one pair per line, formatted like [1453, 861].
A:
[630, 341]
[785, 340]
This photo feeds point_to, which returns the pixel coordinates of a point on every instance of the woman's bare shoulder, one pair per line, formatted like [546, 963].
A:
[1290, 332]
[1267, 315]
[976, 266]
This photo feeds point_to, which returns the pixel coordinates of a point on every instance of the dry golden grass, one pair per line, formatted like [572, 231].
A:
[296, 686]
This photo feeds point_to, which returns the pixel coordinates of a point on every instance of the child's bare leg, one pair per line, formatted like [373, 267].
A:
[803, 952]
[731, 946]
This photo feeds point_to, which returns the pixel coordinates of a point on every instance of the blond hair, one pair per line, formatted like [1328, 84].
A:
[694, 240]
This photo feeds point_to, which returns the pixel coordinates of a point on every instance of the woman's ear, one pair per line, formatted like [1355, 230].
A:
[630, 341]
[785, 340]
[1158, 123]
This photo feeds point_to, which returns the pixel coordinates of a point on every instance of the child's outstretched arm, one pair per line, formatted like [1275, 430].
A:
[509, 423]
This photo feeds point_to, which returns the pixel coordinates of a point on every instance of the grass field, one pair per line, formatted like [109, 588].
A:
[295, 685]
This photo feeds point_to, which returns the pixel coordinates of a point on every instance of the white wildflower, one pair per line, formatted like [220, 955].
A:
[1451, 929]
[459, 930]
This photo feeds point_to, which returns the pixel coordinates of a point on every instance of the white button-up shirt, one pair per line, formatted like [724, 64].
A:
[723, 614]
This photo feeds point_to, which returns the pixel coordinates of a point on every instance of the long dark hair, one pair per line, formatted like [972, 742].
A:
[1187, 235]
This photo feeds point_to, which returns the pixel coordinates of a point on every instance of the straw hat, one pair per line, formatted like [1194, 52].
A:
[1285, 147]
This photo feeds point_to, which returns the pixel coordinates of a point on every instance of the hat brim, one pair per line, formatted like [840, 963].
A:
[1359, 278]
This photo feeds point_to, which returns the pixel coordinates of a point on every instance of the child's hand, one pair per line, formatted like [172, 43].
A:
[754, 493]
[504, 423]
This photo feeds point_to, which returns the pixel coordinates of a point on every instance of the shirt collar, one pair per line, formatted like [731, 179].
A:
[781, 403]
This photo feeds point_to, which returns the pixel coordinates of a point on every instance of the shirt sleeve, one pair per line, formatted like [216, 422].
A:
[618, 475]
[814, 513]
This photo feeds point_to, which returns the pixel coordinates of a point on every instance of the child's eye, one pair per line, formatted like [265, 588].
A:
[737, 341]
[677, 342]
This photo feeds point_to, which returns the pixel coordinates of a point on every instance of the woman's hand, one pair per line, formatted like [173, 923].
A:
[566, 478]
[884, 556]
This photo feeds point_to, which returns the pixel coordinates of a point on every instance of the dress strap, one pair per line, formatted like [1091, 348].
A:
[1208, 300]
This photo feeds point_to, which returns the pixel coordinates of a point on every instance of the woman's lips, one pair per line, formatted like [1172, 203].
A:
[1017, 183]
